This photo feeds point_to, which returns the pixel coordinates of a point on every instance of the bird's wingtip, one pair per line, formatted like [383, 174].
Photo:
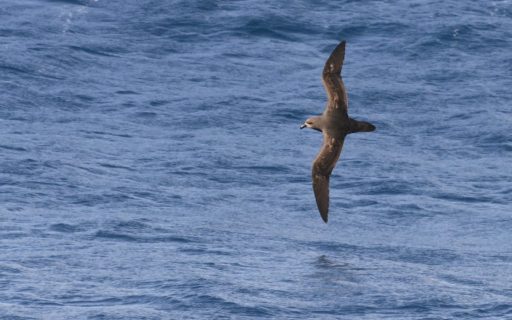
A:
[324, 216]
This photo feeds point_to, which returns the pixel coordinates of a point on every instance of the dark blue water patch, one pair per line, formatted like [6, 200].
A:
[373, 28]
[92, 199]
[399, 254]
[189, 171]
[85, 98]
[502, 258]
[461, 281]
[127, 316]
[13, 148]
[11, 316]
[115, 166]
[402, 212]
[158, 103]
[25, 167]
[96, 134]
[13, 71]
[66, 228]
[352, 310]
[127, 92]
[389, 187]
[115, 236]
[94, 50]
[93, 301]
[147, 118]
[495, 141]
[191, 288]
[463, 197]
[463, 117]
[331, 246]
[355, 204]
[324, 262]
[275, 27]
[427, 306]
[9, 68]
[426, 256]
[472, 37]
[125, 237]
[5, 269]
[261, 169]
[206, 251]
[91, 170]
[129, 225]
[486, 311]
[11, 33]
[230, 307]
[297, 115]
[74, 2]
[178, 29]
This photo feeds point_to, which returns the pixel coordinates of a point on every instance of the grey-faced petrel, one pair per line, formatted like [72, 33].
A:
[335, 124]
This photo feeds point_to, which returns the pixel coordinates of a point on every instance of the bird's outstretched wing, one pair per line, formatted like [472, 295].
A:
[322, 167]
[331, 77]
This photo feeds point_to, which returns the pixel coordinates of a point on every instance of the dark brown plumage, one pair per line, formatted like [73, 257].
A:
[335, 124]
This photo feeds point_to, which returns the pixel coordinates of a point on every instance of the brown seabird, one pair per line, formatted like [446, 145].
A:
[335, 124]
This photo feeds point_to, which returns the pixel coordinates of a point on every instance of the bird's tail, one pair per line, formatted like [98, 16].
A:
[361, 126]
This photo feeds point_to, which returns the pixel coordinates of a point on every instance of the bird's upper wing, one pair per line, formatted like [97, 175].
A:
[322, 167]
[331, 77]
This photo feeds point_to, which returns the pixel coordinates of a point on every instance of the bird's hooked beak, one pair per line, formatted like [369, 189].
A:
[303, 126]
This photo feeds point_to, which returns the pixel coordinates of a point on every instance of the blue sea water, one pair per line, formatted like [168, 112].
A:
[152, 166]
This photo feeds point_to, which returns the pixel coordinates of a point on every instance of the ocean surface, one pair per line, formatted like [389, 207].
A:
[152, 166]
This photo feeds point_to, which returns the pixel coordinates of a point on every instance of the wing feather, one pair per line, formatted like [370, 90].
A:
[322, 168]
[331, 78]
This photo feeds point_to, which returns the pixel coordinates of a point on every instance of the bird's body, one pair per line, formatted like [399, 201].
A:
[335, 124]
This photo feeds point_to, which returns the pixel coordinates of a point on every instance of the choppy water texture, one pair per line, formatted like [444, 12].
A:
[152, 165]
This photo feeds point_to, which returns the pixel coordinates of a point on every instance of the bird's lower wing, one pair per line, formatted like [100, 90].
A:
[322, 167]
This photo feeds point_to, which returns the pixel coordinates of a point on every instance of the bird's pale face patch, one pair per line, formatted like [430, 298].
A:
[312, 123]
[307, 124]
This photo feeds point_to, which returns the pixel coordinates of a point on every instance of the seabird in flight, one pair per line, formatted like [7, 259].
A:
[335, 124]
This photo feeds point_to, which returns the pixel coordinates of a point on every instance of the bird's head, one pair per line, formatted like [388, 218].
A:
[312, 123]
